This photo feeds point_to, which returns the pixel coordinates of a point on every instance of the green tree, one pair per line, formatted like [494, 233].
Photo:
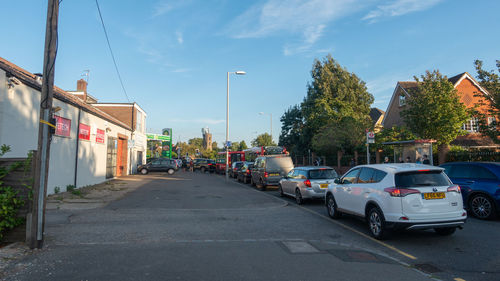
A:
[334, 94]
[243, 145]
[263, 140]
[335, 137]
[396, 133]
[292, 125]
[434, 111]
[490, 81]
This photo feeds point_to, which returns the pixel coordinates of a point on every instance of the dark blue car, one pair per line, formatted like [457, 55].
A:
[480, 185]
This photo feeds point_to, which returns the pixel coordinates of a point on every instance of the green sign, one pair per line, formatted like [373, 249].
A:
[165, 150]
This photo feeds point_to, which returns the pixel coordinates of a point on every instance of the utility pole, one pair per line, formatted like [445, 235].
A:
[36, 223]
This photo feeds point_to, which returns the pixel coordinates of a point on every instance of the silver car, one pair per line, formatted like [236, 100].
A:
[307, 182]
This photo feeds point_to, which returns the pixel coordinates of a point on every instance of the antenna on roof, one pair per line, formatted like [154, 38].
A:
[86, 75]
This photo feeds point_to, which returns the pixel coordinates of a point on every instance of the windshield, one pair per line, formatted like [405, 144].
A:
[417, 179]
[322, 174]
[279, 163]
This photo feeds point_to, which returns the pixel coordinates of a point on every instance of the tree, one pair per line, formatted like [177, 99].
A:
[243, 145]
[292, 125]
[491, 82]
[333, 94]
[434, 111]
[263, 140]
[336, 137]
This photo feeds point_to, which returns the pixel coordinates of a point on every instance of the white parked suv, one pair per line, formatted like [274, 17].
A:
[398, 196]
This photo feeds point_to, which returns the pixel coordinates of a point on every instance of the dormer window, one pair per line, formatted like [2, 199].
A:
[402, 100]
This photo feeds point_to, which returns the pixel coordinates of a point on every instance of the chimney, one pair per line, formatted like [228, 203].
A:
[81, 86]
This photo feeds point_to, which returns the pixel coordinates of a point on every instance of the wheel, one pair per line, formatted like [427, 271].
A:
[298, 197]
[245, 180]
[376, 223]
[170, 171]
[262, 185]
[280, 189]
[252, 182]
[238, 179]
[144, 171]
[331, 207]
[203, 170]
[482, 207]
[445, 231]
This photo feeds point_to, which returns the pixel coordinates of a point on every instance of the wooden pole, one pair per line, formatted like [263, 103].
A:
[43, 151]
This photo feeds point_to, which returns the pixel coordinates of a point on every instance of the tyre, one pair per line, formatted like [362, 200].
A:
[482, 207]
[245, 180]
[170, 171]
[376, 224]
[280, 189]
[144, 171]
[262, 185]
[203, 170]
[331, 207]
[238, 179]
[445, 231]
[252, 182]
[298, 197]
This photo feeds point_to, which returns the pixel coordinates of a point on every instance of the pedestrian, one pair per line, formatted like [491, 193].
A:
[408, 159]
[386, 160]
[191, 165]
[353, 163]
[401, 160]
[426, 160]
[317, 162]
[418, 161]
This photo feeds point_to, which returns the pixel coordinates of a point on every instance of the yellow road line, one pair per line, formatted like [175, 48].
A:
[458, 279]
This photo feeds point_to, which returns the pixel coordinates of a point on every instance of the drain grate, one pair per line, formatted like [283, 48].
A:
[359, 256]
[427, 267]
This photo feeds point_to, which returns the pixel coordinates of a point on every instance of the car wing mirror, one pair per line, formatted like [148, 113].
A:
[337, 181]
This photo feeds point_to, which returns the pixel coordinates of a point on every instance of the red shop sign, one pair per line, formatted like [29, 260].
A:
[84, 133]
[99, 138]
[63, 126]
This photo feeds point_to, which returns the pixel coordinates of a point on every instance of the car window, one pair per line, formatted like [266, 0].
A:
[417, 179]
[290, 174]
[481, 173]
[322, 174]
[350, 177]
[366, 175]
[155, 162]
[279, 163]
[460, 171]
[302, 174]
[378, 176]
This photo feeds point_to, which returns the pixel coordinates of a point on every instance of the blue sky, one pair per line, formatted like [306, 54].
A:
[174, 55]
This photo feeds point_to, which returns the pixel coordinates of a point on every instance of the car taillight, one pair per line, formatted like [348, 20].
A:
[454, 188]
[266, 174]
[248, 171]
[307, 183]
[400, 192]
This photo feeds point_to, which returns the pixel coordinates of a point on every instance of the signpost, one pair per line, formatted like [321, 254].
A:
[166, 143]
[370, 138]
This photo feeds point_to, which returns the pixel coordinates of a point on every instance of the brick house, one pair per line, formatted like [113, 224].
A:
[468, 89]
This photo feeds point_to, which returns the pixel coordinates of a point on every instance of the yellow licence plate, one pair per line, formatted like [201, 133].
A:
[274, 175]
[434, 195]
[324, 185]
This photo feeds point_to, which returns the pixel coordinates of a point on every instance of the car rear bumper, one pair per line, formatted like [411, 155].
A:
[425, 225]
[310, 193]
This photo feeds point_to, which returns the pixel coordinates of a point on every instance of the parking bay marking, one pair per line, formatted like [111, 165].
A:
[343, 225]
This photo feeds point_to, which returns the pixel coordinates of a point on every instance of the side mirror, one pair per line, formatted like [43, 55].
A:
[337, 181]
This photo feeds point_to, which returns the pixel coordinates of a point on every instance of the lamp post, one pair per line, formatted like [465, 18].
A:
[271, 118]
[227, 120]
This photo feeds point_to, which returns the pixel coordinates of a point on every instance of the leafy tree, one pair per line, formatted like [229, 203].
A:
[263, 140]
[243, 145]
[333, 95]
[196, 142]
[214, 146]
[396, 133]
[490, 81]
[342, 136]
[434, 110]
[292, 125]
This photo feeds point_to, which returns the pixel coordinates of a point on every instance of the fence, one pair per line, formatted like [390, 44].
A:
[20, 180]
[470, 156]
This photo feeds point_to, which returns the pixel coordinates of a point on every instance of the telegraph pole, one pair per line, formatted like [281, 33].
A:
[36, 223]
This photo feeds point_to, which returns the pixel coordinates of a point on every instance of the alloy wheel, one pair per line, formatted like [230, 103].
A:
[481, 207]
[375, 223]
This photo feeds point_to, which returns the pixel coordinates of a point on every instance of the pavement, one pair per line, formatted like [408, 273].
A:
[193, 226]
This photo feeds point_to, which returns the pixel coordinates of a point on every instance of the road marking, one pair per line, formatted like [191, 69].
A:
[459, 279]
[342, 225]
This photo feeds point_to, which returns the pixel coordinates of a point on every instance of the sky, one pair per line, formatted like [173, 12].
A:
[174, 56]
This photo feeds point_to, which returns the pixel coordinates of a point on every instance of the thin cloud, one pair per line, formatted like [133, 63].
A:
[161, 9]
[399, 8]
[179, 37]
[181, 70]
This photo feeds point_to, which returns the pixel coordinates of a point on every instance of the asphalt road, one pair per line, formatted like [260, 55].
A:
[193, 226]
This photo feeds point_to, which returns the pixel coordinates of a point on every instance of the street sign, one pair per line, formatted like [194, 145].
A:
[370, 137]
[229, 144]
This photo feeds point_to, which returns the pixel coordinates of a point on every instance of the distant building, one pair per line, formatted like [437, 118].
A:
[207, 139]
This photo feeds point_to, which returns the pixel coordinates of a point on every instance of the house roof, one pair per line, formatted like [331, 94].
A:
[29, 79]
[375, 114]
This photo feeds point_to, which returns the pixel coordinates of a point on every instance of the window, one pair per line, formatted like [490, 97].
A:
[492, 121]
[139, 122]
[323, 174]
[402, 100]
[421, 179]
[378, 176]
[350, 177]
[366, 175]
[466, 171]
[471, 125]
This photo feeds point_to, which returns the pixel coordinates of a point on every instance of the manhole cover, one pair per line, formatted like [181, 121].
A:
[426, 267]
[299, 247]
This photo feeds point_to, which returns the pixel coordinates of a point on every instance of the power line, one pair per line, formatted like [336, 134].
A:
[111, 50]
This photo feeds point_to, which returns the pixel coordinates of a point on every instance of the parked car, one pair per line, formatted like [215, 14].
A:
[245, 172]
[204, 165]
[480, 186]
[398, 196]
[233, 171]
[269, 170]
[307, 182]
[159, 165]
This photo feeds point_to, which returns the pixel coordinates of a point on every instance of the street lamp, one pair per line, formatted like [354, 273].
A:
[227, 120]
[271, 118]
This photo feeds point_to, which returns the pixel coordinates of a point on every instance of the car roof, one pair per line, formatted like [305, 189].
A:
[308, 168]
[401, 167]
